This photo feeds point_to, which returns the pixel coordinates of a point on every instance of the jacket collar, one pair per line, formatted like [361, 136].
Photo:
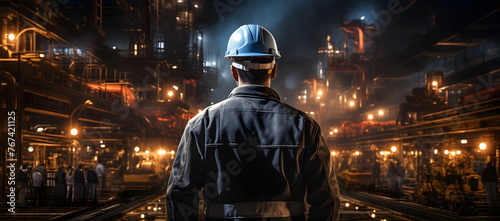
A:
[254, 91]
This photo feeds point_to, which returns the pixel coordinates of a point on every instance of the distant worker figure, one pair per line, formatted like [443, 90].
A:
[91, 186]
[22, 180]
[37, 187]
[401, 177]
[79, 185]
[490, 180]
[391, 177]
[43, 188]
[60, 185]
[100, 171]
[254, 156]
[376, 174]
[70, 181]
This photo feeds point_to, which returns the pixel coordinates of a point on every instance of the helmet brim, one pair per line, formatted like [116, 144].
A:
[276, 56]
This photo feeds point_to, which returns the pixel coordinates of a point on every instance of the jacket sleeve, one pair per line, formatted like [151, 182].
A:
[320, 180]
[187, 176]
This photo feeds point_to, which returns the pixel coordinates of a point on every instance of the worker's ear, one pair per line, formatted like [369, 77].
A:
[235, 73]
[273, 73]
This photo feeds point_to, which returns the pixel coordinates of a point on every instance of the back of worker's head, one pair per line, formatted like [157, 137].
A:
[253, 51]
[253, 76]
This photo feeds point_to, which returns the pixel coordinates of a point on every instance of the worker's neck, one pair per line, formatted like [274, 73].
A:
[265, 84]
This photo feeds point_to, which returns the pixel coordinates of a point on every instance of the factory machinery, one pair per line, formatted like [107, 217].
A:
[442, 152]
[442, 134]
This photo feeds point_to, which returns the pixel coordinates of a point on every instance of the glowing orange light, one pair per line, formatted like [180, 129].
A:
[482, 146]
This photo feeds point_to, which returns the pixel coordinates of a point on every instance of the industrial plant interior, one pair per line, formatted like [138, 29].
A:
[407, 94]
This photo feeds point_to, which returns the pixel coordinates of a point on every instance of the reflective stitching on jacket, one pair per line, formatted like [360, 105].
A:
[260, 145]
[251, 110]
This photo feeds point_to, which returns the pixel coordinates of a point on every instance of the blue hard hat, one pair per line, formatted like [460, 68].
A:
[251, 41]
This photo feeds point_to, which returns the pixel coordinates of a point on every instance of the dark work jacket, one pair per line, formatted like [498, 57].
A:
[79, 177]
[21, 178]
[376, 168]
[91, 177]
[489, 175]
[254, 157]
[60, 177]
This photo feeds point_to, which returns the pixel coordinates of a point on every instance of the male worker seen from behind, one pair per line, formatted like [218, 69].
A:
[255, 157]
